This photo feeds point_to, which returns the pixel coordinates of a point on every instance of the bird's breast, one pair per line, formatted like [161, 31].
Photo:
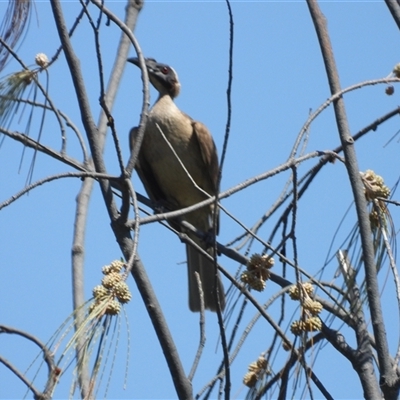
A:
[171, 148]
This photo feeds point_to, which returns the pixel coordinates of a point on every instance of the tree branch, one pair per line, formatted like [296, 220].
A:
[388, 376]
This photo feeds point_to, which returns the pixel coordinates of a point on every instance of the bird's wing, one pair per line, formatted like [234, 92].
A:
[146, 174]
[209, 155]
[208, 152]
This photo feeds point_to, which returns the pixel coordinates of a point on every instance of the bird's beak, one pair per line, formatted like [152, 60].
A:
[134, 60]
[150, 63]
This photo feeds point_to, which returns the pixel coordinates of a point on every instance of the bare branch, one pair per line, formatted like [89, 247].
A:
[202, 322]
[394, 9]
[388, 377]
[52, 178]
[29, 142]
[266, 175]
[48, 358]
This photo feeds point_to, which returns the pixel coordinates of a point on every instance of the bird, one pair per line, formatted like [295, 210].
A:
[178, 166]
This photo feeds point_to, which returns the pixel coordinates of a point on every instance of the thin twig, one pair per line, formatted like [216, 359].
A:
[37, 394]
[335, 97]
[51, 178]
[227, 193]
[145, 79]
[202, 323]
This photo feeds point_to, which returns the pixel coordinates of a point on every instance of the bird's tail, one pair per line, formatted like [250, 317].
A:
[197, 262]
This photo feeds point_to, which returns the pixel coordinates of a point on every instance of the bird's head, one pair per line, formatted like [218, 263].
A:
[162, 76]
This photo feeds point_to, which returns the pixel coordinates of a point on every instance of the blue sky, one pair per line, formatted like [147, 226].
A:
[278, 78]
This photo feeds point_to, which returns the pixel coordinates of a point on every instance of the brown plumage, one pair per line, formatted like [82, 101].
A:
[166, 181]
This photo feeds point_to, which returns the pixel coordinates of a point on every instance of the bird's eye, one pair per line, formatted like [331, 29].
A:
[164, 70]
